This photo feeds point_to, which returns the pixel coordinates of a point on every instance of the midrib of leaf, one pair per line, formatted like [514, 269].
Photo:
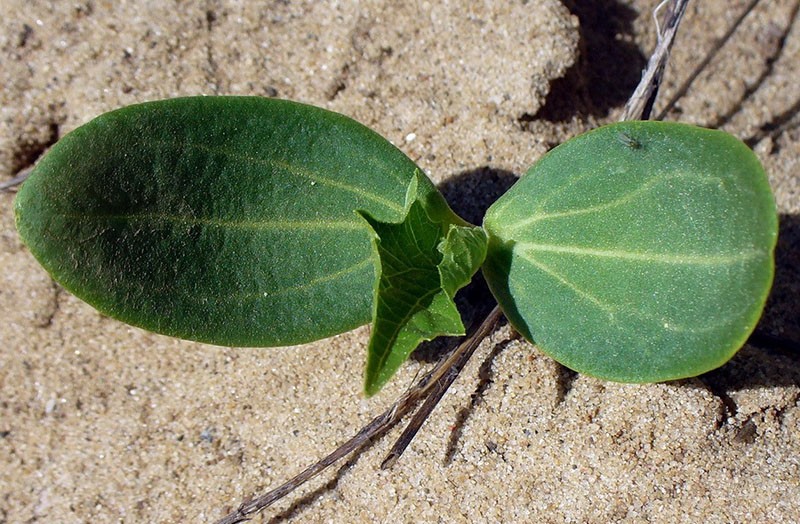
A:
[309, 284]
[259, 225]
[662, 258]
[411, 308]
[646, 186]
[293, 169]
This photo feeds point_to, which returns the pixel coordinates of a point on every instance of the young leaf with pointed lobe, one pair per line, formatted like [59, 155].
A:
[422, 265]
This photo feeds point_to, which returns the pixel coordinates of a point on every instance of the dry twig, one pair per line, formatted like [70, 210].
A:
[17, 180]
[437, 380]
[640, 104]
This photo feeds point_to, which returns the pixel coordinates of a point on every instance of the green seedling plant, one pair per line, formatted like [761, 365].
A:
[641, 251]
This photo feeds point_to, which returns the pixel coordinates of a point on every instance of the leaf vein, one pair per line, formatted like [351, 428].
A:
[623, 199]
[566, 282]
[410, 312]
[286, 225]
[304, 286]
[291, 168]
[663, 258]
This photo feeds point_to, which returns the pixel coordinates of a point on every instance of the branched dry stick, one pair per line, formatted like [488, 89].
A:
[640, 104]
[434, 385]
[443, 373]
[455, 363]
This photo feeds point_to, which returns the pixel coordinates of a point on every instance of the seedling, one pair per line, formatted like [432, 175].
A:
[637, 252]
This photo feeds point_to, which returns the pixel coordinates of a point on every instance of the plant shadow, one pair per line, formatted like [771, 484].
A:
[779, 37]
[469, 193]
[608, 68]
[782, 312]
[772, 355]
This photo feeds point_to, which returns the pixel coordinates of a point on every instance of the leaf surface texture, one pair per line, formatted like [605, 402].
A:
[638, 252]
[229, 220]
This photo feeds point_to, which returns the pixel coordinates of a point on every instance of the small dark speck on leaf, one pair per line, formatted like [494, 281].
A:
[629, 141]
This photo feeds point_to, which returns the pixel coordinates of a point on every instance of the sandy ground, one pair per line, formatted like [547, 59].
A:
[100, 422]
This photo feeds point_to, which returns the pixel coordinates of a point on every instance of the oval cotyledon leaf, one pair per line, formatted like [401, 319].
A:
[229, 220]
[637, 252]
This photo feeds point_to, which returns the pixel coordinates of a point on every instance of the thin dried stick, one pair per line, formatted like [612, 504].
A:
[443, 373]
[458, 359]
[640, 104]
[707, 60]
[17, 180]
